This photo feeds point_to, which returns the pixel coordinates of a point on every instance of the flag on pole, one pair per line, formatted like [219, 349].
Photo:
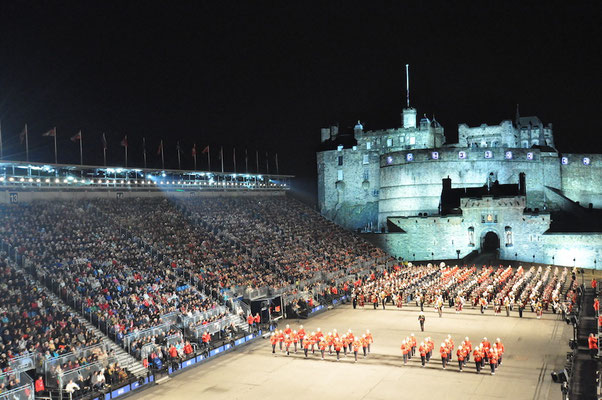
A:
[205, 150]
[104, 142]
[51, 132]
[178, 149]
[78, 138]
[160, 151]
[194, 155]
[124, 143]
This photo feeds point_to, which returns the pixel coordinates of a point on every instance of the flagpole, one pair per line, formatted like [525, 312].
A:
[194, 147]
[104, 149]
[55, 157]
[162, 157]
[246, 161]
[267, 163]
[26, 145]
[221, 152]
[126, 151]
[234, 157]
[81, 153]
[179, 163]
[208, 158]
[144, 151]
[277, 172]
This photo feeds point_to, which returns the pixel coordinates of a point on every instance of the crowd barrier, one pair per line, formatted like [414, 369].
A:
[25, 389]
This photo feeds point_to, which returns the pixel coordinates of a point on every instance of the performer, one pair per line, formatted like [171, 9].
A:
[369, 338]
[423, 349]
[443, 352]
[421, 319]
[478, 358]
[356, 348]
[273, 341]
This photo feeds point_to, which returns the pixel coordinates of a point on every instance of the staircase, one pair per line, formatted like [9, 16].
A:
[123, 358]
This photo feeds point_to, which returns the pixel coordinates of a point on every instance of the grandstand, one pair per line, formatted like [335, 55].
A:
[118, 279]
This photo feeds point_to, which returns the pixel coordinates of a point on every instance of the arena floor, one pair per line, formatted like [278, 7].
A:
[534, 348]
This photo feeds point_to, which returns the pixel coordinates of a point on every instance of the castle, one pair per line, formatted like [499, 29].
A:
[503, 187]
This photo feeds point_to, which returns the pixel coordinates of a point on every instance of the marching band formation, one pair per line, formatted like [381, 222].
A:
[291, 341]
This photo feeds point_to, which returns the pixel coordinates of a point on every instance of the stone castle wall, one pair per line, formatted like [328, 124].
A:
[410, 187]
[583, 183]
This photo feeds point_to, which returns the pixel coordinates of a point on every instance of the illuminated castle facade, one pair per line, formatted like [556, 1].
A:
[432, 199]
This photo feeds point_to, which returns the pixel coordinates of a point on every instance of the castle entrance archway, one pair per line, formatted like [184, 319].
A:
[490, 243]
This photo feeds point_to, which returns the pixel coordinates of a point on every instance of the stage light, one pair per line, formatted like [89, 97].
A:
[47, 180]
[11, 179]
[30, 179]
[22, 180]
[57, 180]
[38, 180]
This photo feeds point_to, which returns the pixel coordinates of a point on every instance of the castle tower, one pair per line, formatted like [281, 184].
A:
[408, 118]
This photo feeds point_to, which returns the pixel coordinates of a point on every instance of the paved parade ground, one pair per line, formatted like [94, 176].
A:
[534, 348]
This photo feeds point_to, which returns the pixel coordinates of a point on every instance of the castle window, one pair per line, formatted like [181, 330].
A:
[340, 175]
[530, 156]
[412, 140]
[586, 161]
[508, 155]
[366, 175]
[508, 236]
[435, 155]
[340, 160]
[535, 142]
[368, 145]
[389, 142]
[525, 144]
[375, 193]
[366, 159]
[494, 143]
[564, 160]
[410, 157]
[339, 148]
[471, 236]
[488, 154]
[389, 160]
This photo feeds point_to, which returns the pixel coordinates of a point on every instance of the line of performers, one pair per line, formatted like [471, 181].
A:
[484, 353]
[289, 340]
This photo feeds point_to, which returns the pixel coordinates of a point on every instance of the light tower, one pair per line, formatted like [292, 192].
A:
[408, 118]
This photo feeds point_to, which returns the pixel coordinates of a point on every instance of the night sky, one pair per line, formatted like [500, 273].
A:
[268, 76]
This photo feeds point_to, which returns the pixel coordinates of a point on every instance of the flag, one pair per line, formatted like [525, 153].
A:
[124, 141]
[76, 137]
[160, 148]
[51, 132]
[22, 135]
[194, 150]
[205, 150]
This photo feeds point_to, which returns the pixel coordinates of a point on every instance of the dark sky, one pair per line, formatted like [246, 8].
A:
[267, 76]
